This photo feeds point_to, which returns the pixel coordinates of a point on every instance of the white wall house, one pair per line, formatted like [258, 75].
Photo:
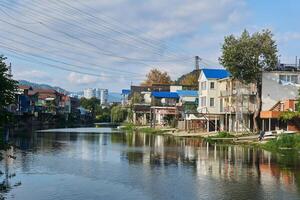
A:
[209, 90]
[279, 86]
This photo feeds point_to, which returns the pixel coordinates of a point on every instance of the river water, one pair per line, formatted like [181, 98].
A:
[104, 164]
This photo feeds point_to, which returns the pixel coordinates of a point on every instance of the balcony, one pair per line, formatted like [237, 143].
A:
[242, 91]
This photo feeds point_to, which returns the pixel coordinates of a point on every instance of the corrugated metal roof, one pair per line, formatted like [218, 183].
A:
[126, 91]
[167, 95]
[216, 73]
[187, 93]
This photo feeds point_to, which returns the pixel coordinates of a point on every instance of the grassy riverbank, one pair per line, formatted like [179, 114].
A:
[133, 128]
[220, 137]
[284, 142]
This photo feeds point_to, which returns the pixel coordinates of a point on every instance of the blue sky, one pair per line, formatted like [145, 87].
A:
[113, 43]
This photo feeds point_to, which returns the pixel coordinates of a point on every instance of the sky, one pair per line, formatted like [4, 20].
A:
[77, 44]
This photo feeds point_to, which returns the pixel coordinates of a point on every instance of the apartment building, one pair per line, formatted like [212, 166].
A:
[225, 104]
[209, 104]
[237, 104]
[279, 85]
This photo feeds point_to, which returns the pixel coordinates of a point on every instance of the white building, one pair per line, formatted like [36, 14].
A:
[103, 96]
[279, 86]
[89, 93]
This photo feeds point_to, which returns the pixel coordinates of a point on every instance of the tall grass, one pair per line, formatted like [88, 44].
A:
[284, 142]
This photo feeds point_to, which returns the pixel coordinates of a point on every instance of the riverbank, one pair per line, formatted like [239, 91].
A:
[279, 144]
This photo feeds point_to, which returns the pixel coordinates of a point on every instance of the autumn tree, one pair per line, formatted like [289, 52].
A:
[246, 57]
[190, 79]
[8, 88]
[155, 76]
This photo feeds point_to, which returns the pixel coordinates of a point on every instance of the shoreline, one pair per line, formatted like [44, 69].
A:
[281, 144]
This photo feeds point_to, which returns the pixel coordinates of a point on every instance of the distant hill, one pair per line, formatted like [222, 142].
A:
[190, 78]
[42, 86]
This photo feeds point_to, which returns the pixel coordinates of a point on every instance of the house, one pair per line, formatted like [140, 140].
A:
[237, 105]
[285, 81]
[225, 104]
[209, 92]
[48, 100]
[164, 108]
[125, 96]
[25, 102]
[271, 118]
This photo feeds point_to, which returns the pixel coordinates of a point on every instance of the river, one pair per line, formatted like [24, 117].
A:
[101, 163]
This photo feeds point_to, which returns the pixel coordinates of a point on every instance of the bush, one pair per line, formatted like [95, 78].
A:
[284, 141]
[224, 135]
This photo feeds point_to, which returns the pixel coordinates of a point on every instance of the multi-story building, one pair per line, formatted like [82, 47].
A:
[237, 104]
[279, 85]
[89, 93]
[103, 97]
[225, 103]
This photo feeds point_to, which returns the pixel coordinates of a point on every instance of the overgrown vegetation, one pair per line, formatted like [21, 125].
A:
[246, 56]
[219, 135]
[283, 142]
[8, 87]
[118, 114]
[129, 127]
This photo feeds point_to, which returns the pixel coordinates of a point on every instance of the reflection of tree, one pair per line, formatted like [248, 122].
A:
[8, 182]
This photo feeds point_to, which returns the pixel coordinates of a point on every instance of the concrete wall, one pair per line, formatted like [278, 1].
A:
[273, 91]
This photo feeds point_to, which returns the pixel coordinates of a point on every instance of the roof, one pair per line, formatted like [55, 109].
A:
[126, 91]
[168, 95]
[215, 73]
[24, 87]
[187, 93]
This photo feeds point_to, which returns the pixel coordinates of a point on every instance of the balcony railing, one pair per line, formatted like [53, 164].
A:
[243, 91]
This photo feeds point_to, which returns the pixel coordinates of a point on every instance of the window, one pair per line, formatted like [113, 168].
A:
[203, 101]
[288, 78]
[212, 85]
[203, 85]
[211, 102]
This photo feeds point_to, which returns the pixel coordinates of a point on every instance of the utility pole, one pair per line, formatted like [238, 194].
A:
[197, 61]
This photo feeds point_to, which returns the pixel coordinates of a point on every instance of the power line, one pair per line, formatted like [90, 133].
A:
[107, 53]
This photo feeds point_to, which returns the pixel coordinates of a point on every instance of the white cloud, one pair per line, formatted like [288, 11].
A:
[191, 27]
[78, 79]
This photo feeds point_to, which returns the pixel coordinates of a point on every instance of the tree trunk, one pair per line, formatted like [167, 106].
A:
[256, 123]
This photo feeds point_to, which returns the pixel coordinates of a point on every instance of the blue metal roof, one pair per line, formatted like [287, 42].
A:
[216, 73]
[167, 95]
[187, 93]
[125, 91]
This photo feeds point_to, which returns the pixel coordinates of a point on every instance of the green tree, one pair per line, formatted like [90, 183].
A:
[246, 57]
[155, 76]
[136, 98]
[190, 79]
[90, 104]
[8, 88]
[118, 114]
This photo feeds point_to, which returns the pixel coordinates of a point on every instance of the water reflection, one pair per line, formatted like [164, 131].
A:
[157, 165]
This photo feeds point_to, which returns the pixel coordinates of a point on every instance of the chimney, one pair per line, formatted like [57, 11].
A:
[197, 60]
